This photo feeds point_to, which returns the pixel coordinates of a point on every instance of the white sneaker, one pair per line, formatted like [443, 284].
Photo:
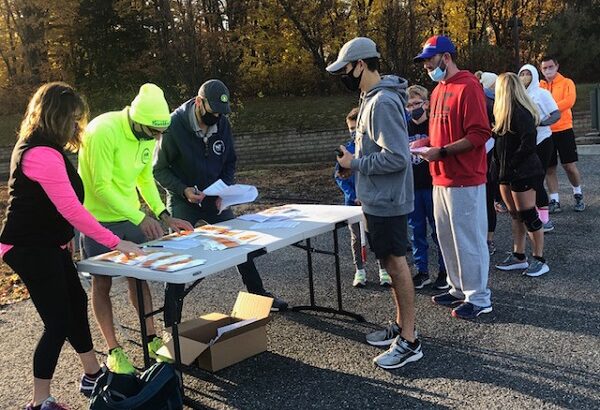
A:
[384, 278]
[360, 278]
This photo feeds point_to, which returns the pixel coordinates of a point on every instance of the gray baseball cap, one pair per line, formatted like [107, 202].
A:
[359, 48]
[217, 95]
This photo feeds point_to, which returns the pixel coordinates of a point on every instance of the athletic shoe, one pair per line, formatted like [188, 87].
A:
[384, 278]
[512, 263]
[536, 268]
[554, 207]
[87, 383]
[491, 247]
[153, 347]
[118, 362]
[579, 204]
[399, 354]
[470, 311]
[446, 299]
[548, 227]
[279, 305]
[441, 282]
[49, 404]
[360, 278]
[421, 280]
[385, 336]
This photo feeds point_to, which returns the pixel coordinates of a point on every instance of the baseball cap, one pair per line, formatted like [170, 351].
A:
[150, 108]
[217, 95]
[435, 45]
[356, 49]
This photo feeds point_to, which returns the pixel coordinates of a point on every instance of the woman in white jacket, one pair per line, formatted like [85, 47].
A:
[549, 114]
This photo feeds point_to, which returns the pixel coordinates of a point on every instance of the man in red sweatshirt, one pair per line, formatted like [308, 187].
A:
[458, 130]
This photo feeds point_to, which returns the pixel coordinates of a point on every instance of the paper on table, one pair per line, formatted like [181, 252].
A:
[231, 194]
[183, 244]
[275, 225]
[228, 328]
[419, 150]
[278, 213]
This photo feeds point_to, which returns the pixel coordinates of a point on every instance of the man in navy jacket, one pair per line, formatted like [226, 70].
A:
[196, 151]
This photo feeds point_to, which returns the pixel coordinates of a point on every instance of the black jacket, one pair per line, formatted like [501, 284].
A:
[515, 151]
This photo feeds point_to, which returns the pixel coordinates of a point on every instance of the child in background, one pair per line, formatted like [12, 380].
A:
[345, 180]
[418, 127]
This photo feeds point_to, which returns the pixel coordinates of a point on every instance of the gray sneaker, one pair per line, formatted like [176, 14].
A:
[384, 337]
[399, 354]
[548, 227]
[536, 268]
[512, 263]
[554, 207]
[579, 204]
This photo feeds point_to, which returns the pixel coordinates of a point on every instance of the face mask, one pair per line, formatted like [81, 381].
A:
[141, 135]
[525, 80]
[352, 83]
[208, 118]
[417, 113]
[550, 73]
[439, 73]
[353, 134]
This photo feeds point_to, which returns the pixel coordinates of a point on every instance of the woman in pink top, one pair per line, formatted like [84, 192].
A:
[45, 203]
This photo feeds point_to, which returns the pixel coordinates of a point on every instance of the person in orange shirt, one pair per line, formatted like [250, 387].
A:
[564, 93]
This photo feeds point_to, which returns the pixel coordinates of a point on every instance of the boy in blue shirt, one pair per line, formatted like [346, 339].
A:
[418, 127]
[345, 181]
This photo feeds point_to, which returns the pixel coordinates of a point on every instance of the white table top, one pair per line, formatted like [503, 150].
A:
[315, 220]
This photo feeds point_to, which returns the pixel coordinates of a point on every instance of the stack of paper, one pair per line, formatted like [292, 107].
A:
[278, 213]
[163, 261]
[228, 328]
[231, 194]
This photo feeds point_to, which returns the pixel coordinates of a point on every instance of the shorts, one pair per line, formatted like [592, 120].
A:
[525, 184]
[545, 150]
[388, 235]
[565, 147]
[124, 230]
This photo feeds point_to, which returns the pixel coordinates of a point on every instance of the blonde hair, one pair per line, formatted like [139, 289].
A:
[417, 91]
[52, 110]
[509, 90]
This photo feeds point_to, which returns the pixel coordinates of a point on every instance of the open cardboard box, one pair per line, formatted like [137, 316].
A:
[195, 335]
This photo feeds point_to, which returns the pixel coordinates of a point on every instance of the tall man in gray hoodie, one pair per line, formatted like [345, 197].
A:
[384, 186]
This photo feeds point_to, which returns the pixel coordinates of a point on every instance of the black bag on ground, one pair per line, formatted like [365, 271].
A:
[155, 389]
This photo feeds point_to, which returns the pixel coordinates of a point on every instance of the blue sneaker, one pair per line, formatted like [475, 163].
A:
[470, 311]
[446, 299]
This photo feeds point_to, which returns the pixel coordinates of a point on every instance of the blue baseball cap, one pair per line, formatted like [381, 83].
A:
[435, 45]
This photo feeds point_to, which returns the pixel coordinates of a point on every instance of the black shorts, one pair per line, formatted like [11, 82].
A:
[525, 184]
[545, 150]
[124, 230]
[388, 235]
[564, 145]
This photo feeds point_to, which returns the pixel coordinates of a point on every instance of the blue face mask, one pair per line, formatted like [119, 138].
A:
[353, 134]
[438, 74]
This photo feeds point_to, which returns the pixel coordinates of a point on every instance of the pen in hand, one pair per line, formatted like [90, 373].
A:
[196, 192]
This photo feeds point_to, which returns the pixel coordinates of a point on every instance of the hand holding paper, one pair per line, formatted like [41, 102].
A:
[231, 194]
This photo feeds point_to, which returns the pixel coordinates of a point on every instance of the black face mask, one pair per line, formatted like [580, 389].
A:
[352, 83]
[417, 113]
[208, 118]
[141, 135]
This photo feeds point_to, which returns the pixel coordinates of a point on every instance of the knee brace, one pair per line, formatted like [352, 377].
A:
[531, 219]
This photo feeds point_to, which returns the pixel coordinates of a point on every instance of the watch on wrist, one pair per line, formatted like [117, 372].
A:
[443, 152]
[164, 214]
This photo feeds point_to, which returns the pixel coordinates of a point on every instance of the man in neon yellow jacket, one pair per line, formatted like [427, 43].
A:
[115, 162]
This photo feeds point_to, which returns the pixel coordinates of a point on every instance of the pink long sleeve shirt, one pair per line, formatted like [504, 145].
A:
[46, 166]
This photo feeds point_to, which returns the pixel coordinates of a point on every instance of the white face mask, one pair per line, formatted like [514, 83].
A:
[550, 72]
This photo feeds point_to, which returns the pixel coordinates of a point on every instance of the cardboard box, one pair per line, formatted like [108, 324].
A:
[198, 337]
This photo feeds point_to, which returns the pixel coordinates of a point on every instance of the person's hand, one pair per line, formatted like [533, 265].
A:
[193, 195]
[343, 173]
[345, 159]
[129, 248]
[177, 224]
[423, 142]
[432, 154]
[151, 228]
[218, 203]
[357, 202]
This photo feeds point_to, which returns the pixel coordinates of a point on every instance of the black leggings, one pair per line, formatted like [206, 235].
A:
[492, 192]
[544, 151]
[53, 284]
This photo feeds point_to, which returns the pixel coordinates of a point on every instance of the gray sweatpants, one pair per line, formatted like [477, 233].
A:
[461, 221]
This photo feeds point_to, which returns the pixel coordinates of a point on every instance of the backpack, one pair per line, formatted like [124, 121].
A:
[158, 388]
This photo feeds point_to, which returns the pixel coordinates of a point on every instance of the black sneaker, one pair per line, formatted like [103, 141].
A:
[87, 383]
[491, 247]
[441, 282]
[421, 280]
[446, 299]
[554, 207]
[279, 305]
[470, 311]
[579, 204]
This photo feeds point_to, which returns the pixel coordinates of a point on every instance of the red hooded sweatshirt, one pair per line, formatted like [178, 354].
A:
[458, 111]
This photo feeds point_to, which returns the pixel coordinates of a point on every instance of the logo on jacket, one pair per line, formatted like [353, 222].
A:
[219, 147]
[146, 155]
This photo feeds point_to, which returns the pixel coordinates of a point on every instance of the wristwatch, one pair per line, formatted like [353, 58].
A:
[443, 152]
[164, 213]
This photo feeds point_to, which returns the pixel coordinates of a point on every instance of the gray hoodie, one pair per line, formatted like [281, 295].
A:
[382, 163]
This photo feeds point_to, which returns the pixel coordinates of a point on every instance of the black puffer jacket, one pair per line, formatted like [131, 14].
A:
[515, 151]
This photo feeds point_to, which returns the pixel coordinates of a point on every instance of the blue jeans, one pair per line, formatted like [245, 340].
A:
[418, 220]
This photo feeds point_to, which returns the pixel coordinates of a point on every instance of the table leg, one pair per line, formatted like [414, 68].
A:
[142, 317]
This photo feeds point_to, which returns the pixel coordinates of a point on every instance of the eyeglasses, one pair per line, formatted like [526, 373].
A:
[415, 104]
[154, 132]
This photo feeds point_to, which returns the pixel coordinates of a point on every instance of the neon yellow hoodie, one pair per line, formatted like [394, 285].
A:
[112, 164]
